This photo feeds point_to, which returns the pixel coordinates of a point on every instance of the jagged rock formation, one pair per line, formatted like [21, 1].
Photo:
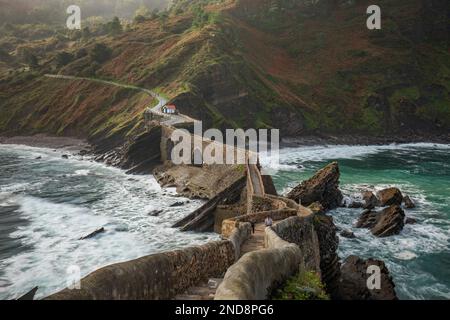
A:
[389, 221]
[140, 155]
[323, 187]
[370, 200]
[409, 203]
[389, 197]
[353, 284]
[328, 245]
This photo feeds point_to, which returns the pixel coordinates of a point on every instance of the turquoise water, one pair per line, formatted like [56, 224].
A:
[418, 258]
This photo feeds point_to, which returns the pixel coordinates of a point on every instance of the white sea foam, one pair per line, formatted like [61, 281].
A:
[291, 158]
[118, 202]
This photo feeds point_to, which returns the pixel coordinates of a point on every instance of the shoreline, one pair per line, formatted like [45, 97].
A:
[359, 140]
[51, 142]
[78, 144]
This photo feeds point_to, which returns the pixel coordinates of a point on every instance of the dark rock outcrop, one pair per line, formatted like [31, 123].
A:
[354, 281]
[385, 223]
[29, 295]
[322, 187]
[93, 234]
[409, 204]
[410, 220]
[328, 245]
[389, 197]
[370, 200]
[347, 234]
[140, 155]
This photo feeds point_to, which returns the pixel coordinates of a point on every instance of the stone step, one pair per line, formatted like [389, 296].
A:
[205, 291]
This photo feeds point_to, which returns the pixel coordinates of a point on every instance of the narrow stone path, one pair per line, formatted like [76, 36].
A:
[207, 290]
[256, 240]
[204, 291]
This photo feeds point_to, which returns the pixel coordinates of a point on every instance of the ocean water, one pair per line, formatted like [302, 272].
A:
[418, 258]
[47, 204]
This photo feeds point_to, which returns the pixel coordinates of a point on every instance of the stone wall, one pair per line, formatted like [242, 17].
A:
[239, 236]
[224, 212]
[300, 230]
[154, 277]
[292, 245]
[229, 224]
[256, 273]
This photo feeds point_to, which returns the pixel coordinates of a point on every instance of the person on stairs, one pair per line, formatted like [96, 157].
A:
[268, 222]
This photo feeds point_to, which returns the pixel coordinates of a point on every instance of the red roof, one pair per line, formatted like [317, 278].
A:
[171, 107]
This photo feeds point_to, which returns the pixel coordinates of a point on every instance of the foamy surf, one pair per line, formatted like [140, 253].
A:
[57, 201]
[419, 256]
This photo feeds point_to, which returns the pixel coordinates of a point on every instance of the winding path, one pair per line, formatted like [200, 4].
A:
[172, 119]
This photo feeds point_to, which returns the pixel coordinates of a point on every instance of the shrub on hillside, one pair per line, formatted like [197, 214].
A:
[302, 286]
[64, 58]
[100, 53]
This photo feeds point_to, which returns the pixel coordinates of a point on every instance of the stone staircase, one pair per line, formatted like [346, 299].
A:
[204, 291]
[207, 290]
[256, 240]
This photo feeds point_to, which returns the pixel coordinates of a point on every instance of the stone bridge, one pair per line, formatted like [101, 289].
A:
[248, 263]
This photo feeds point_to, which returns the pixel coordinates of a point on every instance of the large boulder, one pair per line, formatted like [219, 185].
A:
[409, 204]
[385, 223]
[389, 197]
[370, 200]
[355, 274]
[322, 187]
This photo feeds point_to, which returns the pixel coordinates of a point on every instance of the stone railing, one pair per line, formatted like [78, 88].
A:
[256, 273]
[239, 235]
[157, 276]
[290, 246]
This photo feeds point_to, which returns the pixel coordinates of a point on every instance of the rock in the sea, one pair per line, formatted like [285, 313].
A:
[370, 200]
[322, 187]
[347, 234]
[409, 204]
[29, 295]
[355, 274]
[410, 220]
[385, 223]
[38, 158]
[177, 204]
[356, 205]
[93, 234]
[65, 156]
[389, 197]
[155, 213]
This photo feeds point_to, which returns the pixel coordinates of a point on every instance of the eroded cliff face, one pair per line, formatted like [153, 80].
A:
[329, 260]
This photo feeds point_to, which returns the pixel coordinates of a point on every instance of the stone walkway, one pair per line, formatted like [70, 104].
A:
[204, 291]
[256, 240]
[207, 291]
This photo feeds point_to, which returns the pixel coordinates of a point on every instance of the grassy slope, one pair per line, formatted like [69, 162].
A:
[252, 65]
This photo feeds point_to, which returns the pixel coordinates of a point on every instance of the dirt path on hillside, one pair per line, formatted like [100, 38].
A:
[172, 119]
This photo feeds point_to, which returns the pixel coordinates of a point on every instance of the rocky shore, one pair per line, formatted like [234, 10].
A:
[383, 213]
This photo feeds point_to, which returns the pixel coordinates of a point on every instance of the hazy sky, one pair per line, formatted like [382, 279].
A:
[22, 11]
